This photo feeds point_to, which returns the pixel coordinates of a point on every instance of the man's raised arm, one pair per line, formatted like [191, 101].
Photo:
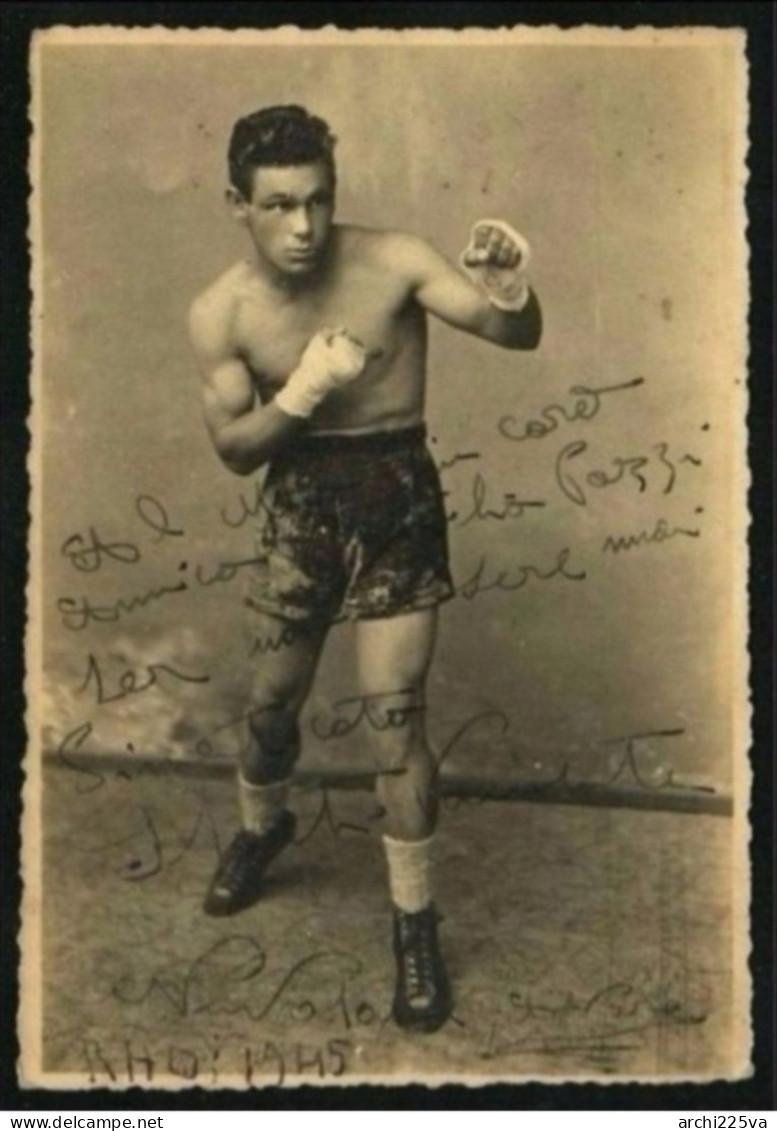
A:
[245, 433]
[495, 302]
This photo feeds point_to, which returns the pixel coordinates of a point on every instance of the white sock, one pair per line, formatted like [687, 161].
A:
[409, 867]
[261, 805]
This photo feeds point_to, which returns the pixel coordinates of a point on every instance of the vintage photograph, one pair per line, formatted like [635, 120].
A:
[387, 679]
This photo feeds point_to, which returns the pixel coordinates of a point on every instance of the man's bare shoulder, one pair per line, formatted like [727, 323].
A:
[211, 314]
[224, 291]
[389, 249]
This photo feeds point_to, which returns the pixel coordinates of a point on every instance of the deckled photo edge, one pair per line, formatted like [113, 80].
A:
[29, 1014]
[329, 35]
[743, 908]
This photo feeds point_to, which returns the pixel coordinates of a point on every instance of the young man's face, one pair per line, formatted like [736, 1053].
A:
[290, 216]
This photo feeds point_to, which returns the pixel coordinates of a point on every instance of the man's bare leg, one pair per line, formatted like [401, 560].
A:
[393, 656]
[284, 674]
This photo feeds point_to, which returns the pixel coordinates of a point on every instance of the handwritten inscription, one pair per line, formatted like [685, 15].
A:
[457, 457]
[272, 1062]
[71, 744]
[632, 768]
[660, 533]
[128, 681]
[586, 407]
[633, 469]
[223, 573]
[605, 1021]
[244, 508]
[326, 818]
[152, 845]
[486, 578]
[381, 712]
[230, 979]
[262, 645]
[78, 613]
[481, 510]
[154, 514]
[87, 553]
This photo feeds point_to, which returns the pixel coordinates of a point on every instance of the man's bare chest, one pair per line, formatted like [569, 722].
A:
[273, 338]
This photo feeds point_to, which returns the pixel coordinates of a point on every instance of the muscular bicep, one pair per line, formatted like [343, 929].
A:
[227, 394]
[227, 388]
[245, 432]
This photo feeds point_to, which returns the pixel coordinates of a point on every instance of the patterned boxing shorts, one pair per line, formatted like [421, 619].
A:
[351, 526]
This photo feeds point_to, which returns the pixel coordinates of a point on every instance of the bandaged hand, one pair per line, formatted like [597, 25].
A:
[332, 358]
[496, 259]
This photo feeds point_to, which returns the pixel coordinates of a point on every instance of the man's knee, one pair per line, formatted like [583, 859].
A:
[396, 726]
[274, 720]
[400, 750]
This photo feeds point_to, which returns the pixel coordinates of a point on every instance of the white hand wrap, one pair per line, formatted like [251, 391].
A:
[331, 358]
[506, 287]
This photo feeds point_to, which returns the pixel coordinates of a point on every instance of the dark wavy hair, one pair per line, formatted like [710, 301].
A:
[277, 135]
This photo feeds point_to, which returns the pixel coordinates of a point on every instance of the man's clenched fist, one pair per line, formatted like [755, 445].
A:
[496, 258]
[332, 358]
[336, 354]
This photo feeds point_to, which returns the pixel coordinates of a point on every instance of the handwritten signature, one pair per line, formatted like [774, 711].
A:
[594, 1023]
[229, 979]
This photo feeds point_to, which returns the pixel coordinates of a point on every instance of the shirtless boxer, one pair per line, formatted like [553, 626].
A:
[313, 355]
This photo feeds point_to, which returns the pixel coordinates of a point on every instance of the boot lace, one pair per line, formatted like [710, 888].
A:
[418, 960]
